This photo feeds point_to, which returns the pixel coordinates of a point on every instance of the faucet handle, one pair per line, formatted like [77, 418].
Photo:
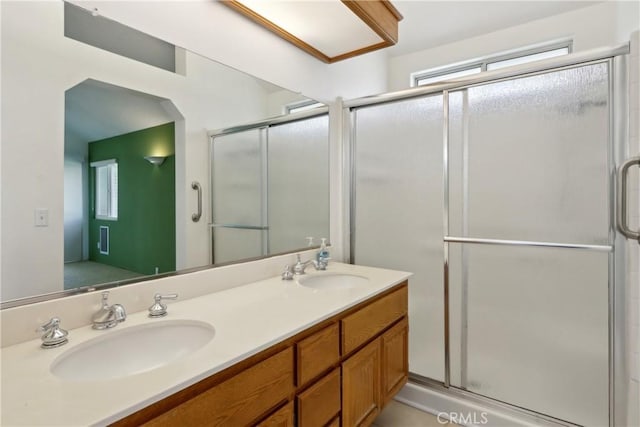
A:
[54, 336]
[287, 274]
[105, 298]
[158, 309]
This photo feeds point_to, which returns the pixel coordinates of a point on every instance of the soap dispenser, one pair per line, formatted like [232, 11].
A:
[323, 253]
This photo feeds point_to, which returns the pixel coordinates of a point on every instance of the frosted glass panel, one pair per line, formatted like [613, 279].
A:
[551, 135]
[232, 244]
[536, 328]
[298, 162]
[237, 176]
[398, 212]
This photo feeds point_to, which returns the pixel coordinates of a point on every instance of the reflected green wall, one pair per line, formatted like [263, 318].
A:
[144, 236]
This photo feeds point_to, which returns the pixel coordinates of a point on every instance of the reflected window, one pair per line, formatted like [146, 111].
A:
[106, 189]
[297, 107]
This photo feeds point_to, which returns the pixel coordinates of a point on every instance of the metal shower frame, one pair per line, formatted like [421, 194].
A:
[618, 113]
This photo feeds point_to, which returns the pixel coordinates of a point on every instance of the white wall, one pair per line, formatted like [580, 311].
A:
[215, 31]
[38, 65]
[604, 24]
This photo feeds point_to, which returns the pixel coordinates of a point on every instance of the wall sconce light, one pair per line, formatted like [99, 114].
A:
[329, 30]
[155, 160]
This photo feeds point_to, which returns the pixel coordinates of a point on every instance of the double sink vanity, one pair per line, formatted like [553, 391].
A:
[326, 348]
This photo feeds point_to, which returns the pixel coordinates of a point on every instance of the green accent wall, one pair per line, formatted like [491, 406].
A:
[144, 235]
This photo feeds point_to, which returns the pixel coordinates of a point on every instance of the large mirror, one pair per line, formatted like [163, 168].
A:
[113, 142]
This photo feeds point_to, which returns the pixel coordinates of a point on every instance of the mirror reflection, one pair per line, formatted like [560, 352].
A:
[137, 120]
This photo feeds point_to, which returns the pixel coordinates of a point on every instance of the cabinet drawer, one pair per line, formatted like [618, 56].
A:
[283, 417]
[364, 324]
[321, 402]
[334, 423]
[241, 399]
[317, 353]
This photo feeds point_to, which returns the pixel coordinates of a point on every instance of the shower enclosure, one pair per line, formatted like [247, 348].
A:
[269, 186]
[497, 192]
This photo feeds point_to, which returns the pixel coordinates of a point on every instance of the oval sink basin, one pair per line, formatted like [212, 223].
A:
[133, 350]
[333, 281]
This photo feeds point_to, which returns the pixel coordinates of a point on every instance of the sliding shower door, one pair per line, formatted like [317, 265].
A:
[398, 212]
[298, 162]
[498, 196]
[531, 234]
[269, 184]
[239, 196]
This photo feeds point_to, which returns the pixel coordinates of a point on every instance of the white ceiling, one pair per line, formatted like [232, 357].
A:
[428, 24]
[95, 110]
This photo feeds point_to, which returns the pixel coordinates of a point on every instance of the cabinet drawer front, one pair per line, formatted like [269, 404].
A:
[334, 423]
[395, 359]
[317, 353]
[321, 402]
[283, 417]
[240, 400]
[366, 323]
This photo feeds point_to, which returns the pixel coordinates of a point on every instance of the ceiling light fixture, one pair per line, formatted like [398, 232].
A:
[329, 30]
[155, 160]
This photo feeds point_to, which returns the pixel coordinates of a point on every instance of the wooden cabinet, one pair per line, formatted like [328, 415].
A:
[366, 323]
[281, 418]
[320, 403]
[317, 353]
[240, 400]
[373, 375]
[395, 359]
[338, 373]
[361, 402]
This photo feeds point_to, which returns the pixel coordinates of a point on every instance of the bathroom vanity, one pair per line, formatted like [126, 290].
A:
[305, 352]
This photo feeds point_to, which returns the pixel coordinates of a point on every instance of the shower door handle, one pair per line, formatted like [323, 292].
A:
[196, 216]
[623, 224]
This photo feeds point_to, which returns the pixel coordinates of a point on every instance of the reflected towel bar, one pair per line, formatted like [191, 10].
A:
[196, 216]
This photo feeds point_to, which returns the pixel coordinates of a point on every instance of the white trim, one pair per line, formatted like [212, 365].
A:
[106, 218]
[101, 163]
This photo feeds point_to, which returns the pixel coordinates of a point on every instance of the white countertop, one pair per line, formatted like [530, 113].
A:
[247, 319]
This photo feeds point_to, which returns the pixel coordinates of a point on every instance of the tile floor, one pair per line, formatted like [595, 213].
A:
[397, 414]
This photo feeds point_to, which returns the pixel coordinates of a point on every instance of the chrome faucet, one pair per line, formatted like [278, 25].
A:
[109, 315]
[53, 336]
[300, 266]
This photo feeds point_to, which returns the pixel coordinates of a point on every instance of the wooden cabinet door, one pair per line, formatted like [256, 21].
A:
[361, 382]
[395, 359]
[283, 417]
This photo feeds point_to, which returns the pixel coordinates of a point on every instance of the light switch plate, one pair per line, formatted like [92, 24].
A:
[42, 217]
